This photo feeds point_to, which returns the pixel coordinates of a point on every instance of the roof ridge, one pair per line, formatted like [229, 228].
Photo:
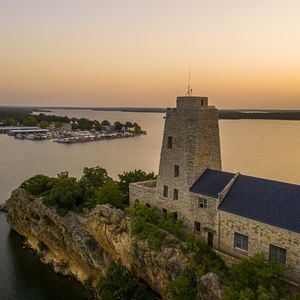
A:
[225, 191]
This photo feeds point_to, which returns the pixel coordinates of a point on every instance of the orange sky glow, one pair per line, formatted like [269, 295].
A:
[242, 54]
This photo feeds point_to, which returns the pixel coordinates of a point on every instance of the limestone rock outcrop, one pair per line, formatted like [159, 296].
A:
[85, 244]
[2, 207]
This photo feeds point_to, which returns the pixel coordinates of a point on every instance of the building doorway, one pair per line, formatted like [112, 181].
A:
[210, 239]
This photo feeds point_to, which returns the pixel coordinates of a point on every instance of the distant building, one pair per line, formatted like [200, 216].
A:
[110, 128]
[235, 214]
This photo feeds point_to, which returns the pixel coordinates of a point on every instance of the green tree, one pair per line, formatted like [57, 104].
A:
[109, 193]
[92, 179]
[97, 125]
[133, 176]
[65, 195]
[118, 126]
[128, 125]
[121, 284]
[105, 123]
[257, 278]
[9, 122]
[85, 124]
[38, 184]
[30, 121]
[137, 127]
[58, 125]
[44, 124]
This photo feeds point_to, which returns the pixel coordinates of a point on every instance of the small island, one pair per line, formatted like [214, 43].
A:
[23, 124]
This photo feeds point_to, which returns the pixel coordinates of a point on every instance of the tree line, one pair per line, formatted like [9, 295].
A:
[19, 117]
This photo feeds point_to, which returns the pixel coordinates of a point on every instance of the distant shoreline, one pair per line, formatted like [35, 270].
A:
[224, 114]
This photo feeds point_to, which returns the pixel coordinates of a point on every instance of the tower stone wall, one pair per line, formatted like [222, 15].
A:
[193, 131]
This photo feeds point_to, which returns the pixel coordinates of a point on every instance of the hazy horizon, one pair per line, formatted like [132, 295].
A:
[243, 54]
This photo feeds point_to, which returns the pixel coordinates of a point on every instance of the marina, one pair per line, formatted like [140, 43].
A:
[86, 136]
[63, 136]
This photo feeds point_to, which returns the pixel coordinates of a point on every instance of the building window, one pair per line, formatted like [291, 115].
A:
[165, 191]
[202, 102]
[176, 171]
[164, 211]
[175, 194]
[202, 203]
[278, 254]
[174, 217]
[197, 227]
[147, 204]
[170, 142]
[240, 241]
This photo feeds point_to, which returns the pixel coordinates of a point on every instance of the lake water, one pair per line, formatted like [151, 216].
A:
[268, 149]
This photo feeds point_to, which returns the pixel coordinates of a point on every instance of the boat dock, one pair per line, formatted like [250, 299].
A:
[6, 129]
[86, 136]
[64, 137]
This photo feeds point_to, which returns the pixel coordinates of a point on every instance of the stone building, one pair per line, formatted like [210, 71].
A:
[235, 214]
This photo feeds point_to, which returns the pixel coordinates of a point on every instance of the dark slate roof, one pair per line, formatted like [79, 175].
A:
[211, 182]
[271, 202]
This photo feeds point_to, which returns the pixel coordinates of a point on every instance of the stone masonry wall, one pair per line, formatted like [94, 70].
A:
[186, 208]
[196, 144]
[144, 192]
[260, 236]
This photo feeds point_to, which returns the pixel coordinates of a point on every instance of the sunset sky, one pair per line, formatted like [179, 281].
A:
[243, 54]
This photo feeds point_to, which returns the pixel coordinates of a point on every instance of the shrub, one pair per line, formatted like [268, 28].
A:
[183, 288]
[147, 231]
[166, 222]
[257, 278]
[151, 225]
[148, 214]
[121, 284]
[204, 259]
[38, 184]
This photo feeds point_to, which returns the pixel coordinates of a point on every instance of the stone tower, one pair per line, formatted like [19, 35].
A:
[191, 144]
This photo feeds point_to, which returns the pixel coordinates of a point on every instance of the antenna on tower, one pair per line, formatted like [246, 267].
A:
[189, 91]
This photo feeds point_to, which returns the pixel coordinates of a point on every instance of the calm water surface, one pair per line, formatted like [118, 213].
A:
[261, 148]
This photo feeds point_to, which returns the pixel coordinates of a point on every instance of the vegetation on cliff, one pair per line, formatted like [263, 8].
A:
[153, 226]
[94, 187]
[258, 278]
[119, 283]
[161, 229]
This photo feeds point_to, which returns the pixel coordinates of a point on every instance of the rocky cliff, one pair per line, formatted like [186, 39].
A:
[85, 244]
